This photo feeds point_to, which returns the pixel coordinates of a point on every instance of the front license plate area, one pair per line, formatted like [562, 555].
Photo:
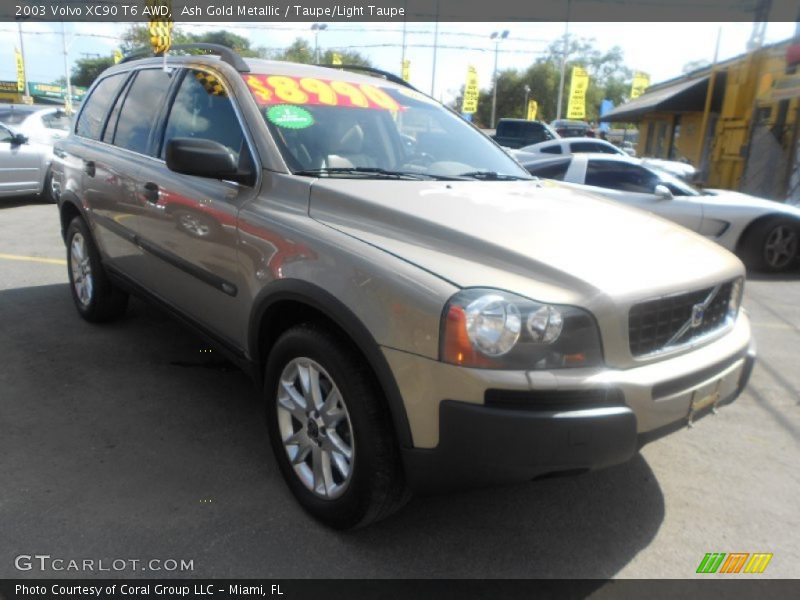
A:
[703, 398]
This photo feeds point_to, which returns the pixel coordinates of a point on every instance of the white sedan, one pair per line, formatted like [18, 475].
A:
[24, 165]
[584, 145]
[764, 233]
[41, 124]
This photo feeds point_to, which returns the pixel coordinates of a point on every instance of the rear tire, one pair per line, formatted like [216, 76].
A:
[772, 245]
[95, 297]
[323, 398]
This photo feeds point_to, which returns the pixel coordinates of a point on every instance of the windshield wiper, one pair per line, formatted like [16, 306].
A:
[492, 176]
[368, 171]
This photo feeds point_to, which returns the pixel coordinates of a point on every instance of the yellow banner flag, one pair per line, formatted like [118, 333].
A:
[471, 92]
[406, 72]
[576, 109]
[160, 27]
[336, 59]
[641, 81]
[117, 55]
[533, 108]
[20, 70]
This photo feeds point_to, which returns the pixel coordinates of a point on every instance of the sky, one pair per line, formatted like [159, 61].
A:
[660, 49]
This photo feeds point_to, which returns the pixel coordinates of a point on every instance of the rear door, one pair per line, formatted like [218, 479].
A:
[189, 226]
[20, 166]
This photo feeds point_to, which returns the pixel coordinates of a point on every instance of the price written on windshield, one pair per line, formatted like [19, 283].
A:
[283, 89]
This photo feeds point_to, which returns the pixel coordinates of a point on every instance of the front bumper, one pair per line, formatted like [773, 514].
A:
[583, 421]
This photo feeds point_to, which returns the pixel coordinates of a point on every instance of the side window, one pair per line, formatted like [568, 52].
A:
[578, 147]
[93, 116]
[550, 169]
[554, 149]
[620, 176]
[140, 110]
[203, 110]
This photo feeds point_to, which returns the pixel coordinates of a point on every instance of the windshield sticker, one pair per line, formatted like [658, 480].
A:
[283, 89]
[289, 116]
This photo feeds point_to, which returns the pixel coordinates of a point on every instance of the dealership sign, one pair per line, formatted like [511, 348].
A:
[45, 90]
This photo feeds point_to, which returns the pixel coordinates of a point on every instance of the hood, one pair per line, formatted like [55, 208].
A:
[534, 238]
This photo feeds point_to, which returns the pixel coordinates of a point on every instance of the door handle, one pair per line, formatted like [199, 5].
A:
[88, 168]
[150, 192]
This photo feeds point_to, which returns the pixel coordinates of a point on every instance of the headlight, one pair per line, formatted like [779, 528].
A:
[493, 329]
[735, 302]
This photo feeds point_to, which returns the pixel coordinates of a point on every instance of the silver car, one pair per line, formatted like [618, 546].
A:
[24, 165]
[417, 312]
[766, 234]
[41, 124]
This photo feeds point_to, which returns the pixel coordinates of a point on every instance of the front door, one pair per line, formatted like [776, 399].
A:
[189, 228]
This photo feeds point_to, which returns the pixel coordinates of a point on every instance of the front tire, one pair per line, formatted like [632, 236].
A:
[95, 297]
[330, 429]
[772, 245]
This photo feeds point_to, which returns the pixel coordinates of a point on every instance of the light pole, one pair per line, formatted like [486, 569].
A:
[563, 63]
[24, 63]
[497, 36]
[525, 106]
[316, 28]
[68, 97]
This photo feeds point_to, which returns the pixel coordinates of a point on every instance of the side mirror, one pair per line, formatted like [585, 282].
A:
[662, 192]
[19, 139]
[201, 157]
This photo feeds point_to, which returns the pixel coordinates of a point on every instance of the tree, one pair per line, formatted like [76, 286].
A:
[86, 70]
[609, 77]
[301, 51]
[694, 65]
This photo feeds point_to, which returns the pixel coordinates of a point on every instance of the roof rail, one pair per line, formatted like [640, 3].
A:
[226, 54]
[385, 74]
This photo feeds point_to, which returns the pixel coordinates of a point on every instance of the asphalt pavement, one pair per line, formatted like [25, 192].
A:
[134, 442]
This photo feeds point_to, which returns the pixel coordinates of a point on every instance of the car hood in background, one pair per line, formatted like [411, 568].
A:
[534, 238]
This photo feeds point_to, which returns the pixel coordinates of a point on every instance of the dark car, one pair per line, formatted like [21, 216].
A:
[569, 128]
[516, 133]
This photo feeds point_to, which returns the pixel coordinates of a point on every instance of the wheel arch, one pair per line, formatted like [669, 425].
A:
[69, 208]
[284, 303]
[758, 221]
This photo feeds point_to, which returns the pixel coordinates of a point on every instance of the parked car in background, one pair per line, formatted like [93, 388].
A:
[582, 145]
[573, 145]
[24, 165]
[516, 133]
[628, 148]
[684, 170]
[43, 125]
[570, 128]
[763, 233]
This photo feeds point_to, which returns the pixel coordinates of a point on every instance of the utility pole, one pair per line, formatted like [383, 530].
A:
[435, 49]
[563, 63]
[24, 62]
[68, 97]
[525, 106]
[316, 28]
[497, 36]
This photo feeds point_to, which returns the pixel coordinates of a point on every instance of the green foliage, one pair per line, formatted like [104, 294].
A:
[609, 77]
[86, 70]
[301, 51]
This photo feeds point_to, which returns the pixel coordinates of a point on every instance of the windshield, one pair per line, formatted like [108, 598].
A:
[347, 129]
[677, 186]
[13, 117]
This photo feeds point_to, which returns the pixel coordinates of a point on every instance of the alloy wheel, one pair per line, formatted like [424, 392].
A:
[81, 269]
[315, 428]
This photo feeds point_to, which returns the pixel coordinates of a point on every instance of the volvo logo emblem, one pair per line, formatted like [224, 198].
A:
[698, 312]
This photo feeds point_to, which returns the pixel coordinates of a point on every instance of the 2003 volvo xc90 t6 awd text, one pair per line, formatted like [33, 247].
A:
[418, 312]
